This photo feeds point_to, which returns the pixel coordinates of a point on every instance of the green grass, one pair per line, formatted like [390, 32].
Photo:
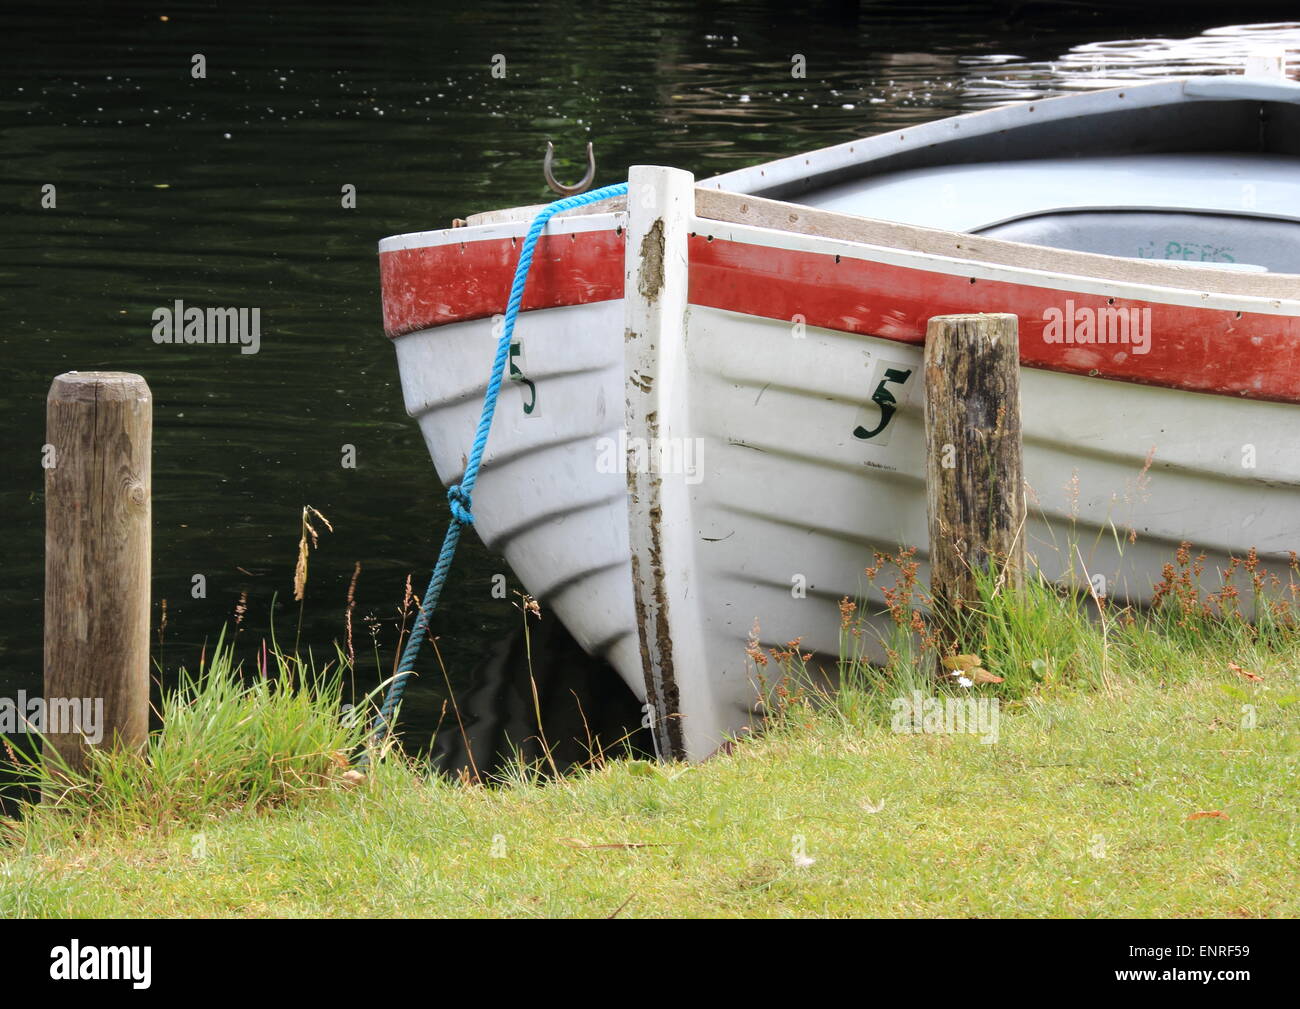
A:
[232, 741]
[1111, 738]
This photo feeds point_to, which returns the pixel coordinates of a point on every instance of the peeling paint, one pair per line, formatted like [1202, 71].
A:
[650, 277]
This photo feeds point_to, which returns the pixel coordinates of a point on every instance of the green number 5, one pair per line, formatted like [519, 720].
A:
[518, 376]
[884, 399]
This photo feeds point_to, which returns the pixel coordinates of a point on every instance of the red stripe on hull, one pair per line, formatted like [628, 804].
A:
[1199, 349]
[437, 284]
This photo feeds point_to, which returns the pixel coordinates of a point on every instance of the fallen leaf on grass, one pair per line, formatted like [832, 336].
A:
[1212, 814]
[351, 779]
[967, 667]
[1253, 677]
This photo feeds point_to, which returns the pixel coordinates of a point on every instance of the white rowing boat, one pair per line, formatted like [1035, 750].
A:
[715, 414]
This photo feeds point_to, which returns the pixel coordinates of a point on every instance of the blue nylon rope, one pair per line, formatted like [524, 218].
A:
[459, 495]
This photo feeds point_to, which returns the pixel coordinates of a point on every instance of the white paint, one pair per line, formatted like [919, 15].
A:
[660, 524]
[558, 225]
[1266, 63]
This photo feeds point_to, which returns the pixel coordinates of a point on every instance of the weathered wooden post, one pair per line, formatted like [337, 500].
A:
[974, 468]
[99, 434]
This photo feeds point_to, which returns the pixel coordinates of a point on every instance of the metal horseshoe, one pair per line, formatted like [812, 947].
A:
[561, 188]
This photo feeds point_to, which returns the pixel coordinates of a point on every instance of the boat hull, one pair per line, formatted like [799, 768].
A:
[541, 500]
[788, 507]
[714, 423]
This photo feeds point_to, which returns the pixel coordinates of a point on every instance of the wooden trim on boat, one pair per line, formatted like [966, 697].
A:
[736, 208]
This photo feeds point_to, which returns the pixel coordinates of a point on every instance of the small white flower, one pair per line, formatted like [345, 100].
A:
[965, 681]
[803, 861]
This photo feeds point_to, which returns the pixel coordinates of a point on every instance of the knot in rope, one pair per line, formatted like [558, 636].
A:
[460, 504]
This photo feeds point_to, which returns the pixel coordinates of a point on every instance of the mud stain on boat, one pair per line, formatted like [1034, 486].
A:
[651, 278]
[660, 682]
[651, 687]
[657, 663]
[667, 711]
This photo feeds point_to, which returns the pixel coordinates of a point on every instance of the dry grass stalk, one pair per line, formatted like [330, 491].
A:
[308, 530]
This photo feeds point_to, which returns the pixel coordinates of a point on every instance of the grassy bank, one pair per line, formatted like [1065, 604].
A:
[1142, 766]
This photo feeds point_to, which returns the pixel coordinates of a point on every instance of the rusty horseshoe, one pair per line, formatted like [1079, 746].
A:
[561, 188]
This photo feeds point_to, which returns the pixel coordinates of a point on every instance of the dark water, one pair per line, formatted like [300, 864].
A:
[226, 191]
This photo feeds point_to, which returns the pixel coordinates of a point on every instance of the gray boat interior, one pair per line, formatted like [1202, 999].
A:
[1210, 178]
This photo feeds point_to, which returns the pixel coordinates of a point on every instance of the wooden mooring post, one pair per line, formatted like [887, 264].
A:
[99, 434]
[974, 474]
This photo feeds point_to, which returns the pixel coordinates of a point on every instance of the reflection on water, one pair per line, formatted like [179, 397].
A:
[1112, 63]
[226, 192]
